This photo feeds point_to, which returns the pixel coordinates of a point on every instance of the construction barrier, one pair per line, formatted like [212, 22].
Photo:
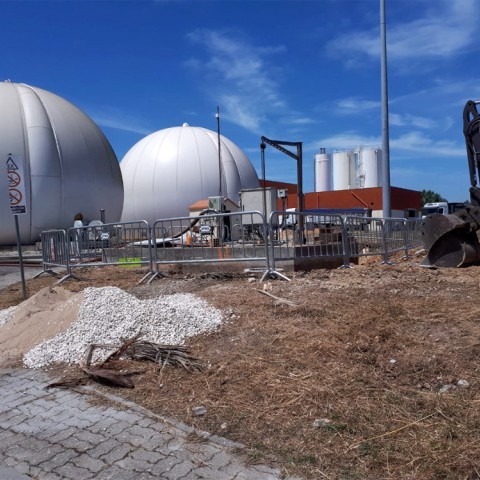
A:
[242, 237]
[97, 245]
[297, 235]
[55, 252]
[211, 238]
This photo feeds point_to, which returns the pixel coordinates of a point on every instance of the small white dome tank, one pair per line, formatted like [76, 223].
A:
[169, 170]
[68, 164]
[371, 163]
[342, 170]
[323, 171]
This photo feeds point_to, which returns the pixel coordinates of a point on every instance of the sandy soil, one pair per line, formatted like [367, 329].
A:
[365, 373]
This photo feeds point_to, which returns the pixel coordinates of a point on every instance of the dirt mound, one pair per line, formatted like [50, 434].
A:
[42, 316]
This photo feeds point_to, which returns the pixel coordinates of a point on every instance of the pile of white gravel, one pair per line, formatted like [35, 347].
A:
[108, 314]
[6, 314]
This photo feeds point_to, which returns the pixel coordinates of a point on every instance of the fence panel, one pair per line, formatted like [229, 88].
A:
[321, 236]
[395, 236]
[413, 228]
[54, 249]
[218, 238]
[121, 243]
[364, 236]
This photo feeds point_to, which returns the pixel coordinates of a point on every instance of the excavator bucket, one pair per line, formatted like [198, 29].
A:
[450, 242]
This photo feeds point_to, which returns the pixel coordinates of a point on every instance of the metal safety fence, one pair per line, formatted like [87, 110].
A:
[54, 251]
[211, 238]
[97, 245]
[301, 235]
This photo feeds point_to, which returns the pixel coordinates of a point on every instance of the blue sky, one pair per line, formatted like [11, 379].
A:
[291, 70]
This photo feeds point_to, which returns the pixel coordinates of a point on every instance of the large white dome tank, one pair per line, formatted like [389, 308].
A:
[69, 166]
[323, 171]
[342, 170]
[169, 170]
[371, 165]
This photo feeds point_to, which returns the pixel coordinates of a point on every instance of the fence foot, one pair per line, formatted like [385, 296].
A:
[386, 262]
[49, 272]
[153, 276]
[67, 277]
[270, 273]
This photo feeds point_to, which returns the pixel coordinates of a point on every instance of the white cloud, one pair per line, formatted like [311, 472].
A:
[417, 142]
[297, 120]
[343, 141]
[352, 105]
[114, 118]
[239, 75]
[404, 120]
[447, 27]
[411, 143]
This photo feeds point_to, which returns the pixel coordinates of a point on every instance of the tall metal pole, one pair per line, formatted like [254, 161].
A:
[219, 154]
[387, 211]
[264, 203]
[20, 258]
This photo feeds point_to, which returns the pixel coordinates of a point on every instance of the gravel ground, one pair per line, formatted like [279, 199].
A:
[109, 314]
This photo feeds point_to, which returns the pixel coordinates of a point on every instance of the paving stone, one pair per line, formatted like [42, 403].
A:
[11, 474]
[147, 456]
[58, 460]
[87, 436]
[62, 434]
[41, 434]
[137, 465]
[74, 443]
[164, 466]
[103, 448]
[24, 450]
[69, 470]
[146, 422]
[75, 420]
[12, 418]
[50, 476]
[116, 473]
[89, 463]
[158, 442]
[113, 429]
[143, 432]
[221, 459]
[210, 474]
[181, 469]
[106, 424]
[132, 439]
[117, 453]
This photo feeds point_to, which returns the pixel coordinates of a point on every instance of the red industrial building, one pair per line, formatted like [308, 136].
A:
[404, 203]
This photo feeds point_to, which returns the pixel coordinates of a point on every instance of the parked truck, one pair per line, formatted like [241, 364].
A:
[443, 208]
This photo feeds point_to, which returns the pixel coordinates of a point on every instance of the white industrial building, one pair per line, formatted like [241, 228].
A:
[169, 170]
[66, 164]
[360, 167]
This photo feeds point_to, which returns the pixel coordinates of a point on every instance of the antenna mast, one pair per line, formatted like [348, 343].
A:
[217, 115]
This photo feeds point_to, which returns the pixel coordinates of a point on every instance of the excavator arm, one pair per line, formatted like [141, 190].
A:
[471, 130]
[451, 240]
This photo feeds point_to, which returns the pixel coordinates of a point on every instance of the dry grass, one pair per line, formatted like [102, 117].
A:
[366, 349]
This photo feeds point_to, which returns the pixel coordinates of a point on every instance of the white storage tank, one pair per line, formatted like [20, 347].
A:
[68, 165]
[343, 166]
[323, 171]
[169, 170]
[370, 159]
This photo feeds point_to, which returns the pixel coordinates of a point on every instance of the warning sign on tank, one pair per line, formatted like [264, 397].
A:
[16, 184]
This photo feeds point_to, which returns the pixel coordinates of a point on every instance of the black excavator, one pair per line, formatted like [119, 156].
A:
[452, 240]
